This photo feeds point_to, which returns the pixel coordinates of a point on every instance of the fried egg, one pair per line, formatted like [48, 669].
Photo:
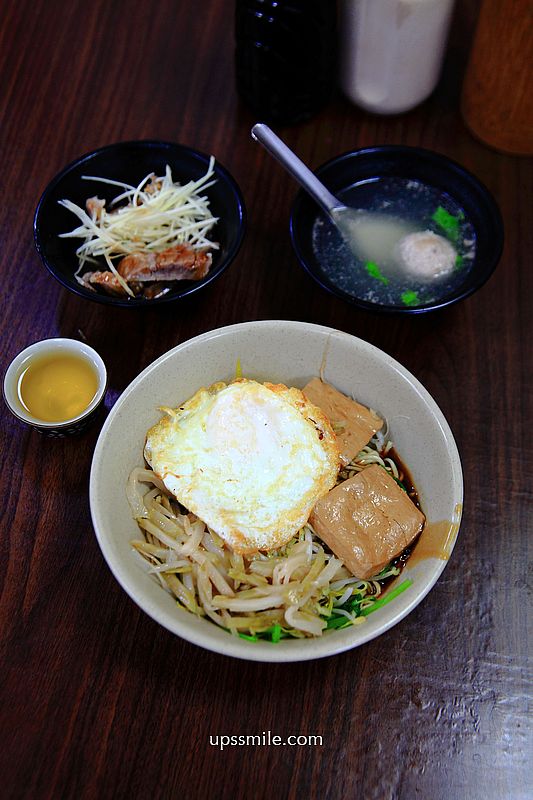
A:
[249, 459]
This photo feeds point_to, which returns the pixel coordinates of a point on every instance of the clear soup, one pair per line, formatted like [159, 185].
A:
[390, 209]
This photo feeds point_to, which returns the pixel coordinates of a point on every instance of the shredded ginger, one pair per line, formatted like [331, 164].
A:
[157, 214]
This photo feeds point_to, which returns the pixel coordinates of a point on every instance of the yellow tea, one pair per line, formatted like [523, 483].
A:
[58, 387]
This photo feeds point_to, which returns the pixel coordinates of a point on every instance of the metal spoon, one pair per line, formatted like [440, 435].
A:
[344, 218]
[369, 235]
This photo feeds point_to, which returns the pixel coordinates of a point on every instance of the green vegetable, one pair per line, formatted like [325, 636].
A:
[334, 622]
[374, 272]
[276, 633]
[273, 634]
[338, 622]
[410, 298]
[400, 484]
[387, 598]
[459, 261]
[448, 222]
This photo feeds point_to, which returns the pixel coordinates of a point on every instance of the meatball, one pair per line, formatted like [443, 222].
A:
[426, 255]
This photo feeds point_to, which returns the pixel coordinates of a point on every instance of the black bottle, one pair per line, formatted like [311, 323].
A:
[285, 57]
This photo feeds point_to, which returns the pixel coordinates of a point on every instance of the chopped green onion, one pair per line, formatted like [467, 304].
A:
[448, 222]
[410, 298]
[375, 272]
[249, 638]
[387, 598]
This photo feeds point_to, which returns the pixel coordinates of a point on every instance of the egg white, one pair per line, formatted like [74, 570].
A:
[249, 459]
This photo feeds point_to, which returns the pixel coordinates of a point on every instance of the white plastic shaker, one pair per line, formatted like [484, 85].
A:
[391, 51]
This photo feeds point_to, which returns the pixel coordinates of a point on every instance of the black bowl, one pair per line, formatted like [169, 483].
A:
[131, 162]
[343, 173]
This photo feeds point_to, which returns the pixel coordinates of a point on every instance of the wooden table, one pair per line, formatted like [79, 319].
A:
[98, 701]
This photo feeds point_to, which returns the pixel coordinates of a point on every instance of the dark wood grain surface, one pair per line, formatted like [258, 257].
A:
[98, 701]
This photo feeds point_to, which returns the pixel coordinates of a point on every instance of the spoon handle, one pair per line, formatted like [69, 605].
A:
[263, 134]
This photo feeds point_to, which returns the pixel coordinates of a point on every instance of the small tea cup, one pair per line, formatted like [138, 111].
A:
[43, 349]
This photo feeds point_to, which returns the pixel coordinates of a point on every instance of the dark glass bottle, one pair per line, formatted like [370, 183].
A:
[285, 57]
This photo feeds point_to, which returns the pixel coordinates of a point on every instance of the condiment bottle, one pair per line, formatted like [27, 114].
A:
[285, 57]
[391, 51]
[497, 98]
